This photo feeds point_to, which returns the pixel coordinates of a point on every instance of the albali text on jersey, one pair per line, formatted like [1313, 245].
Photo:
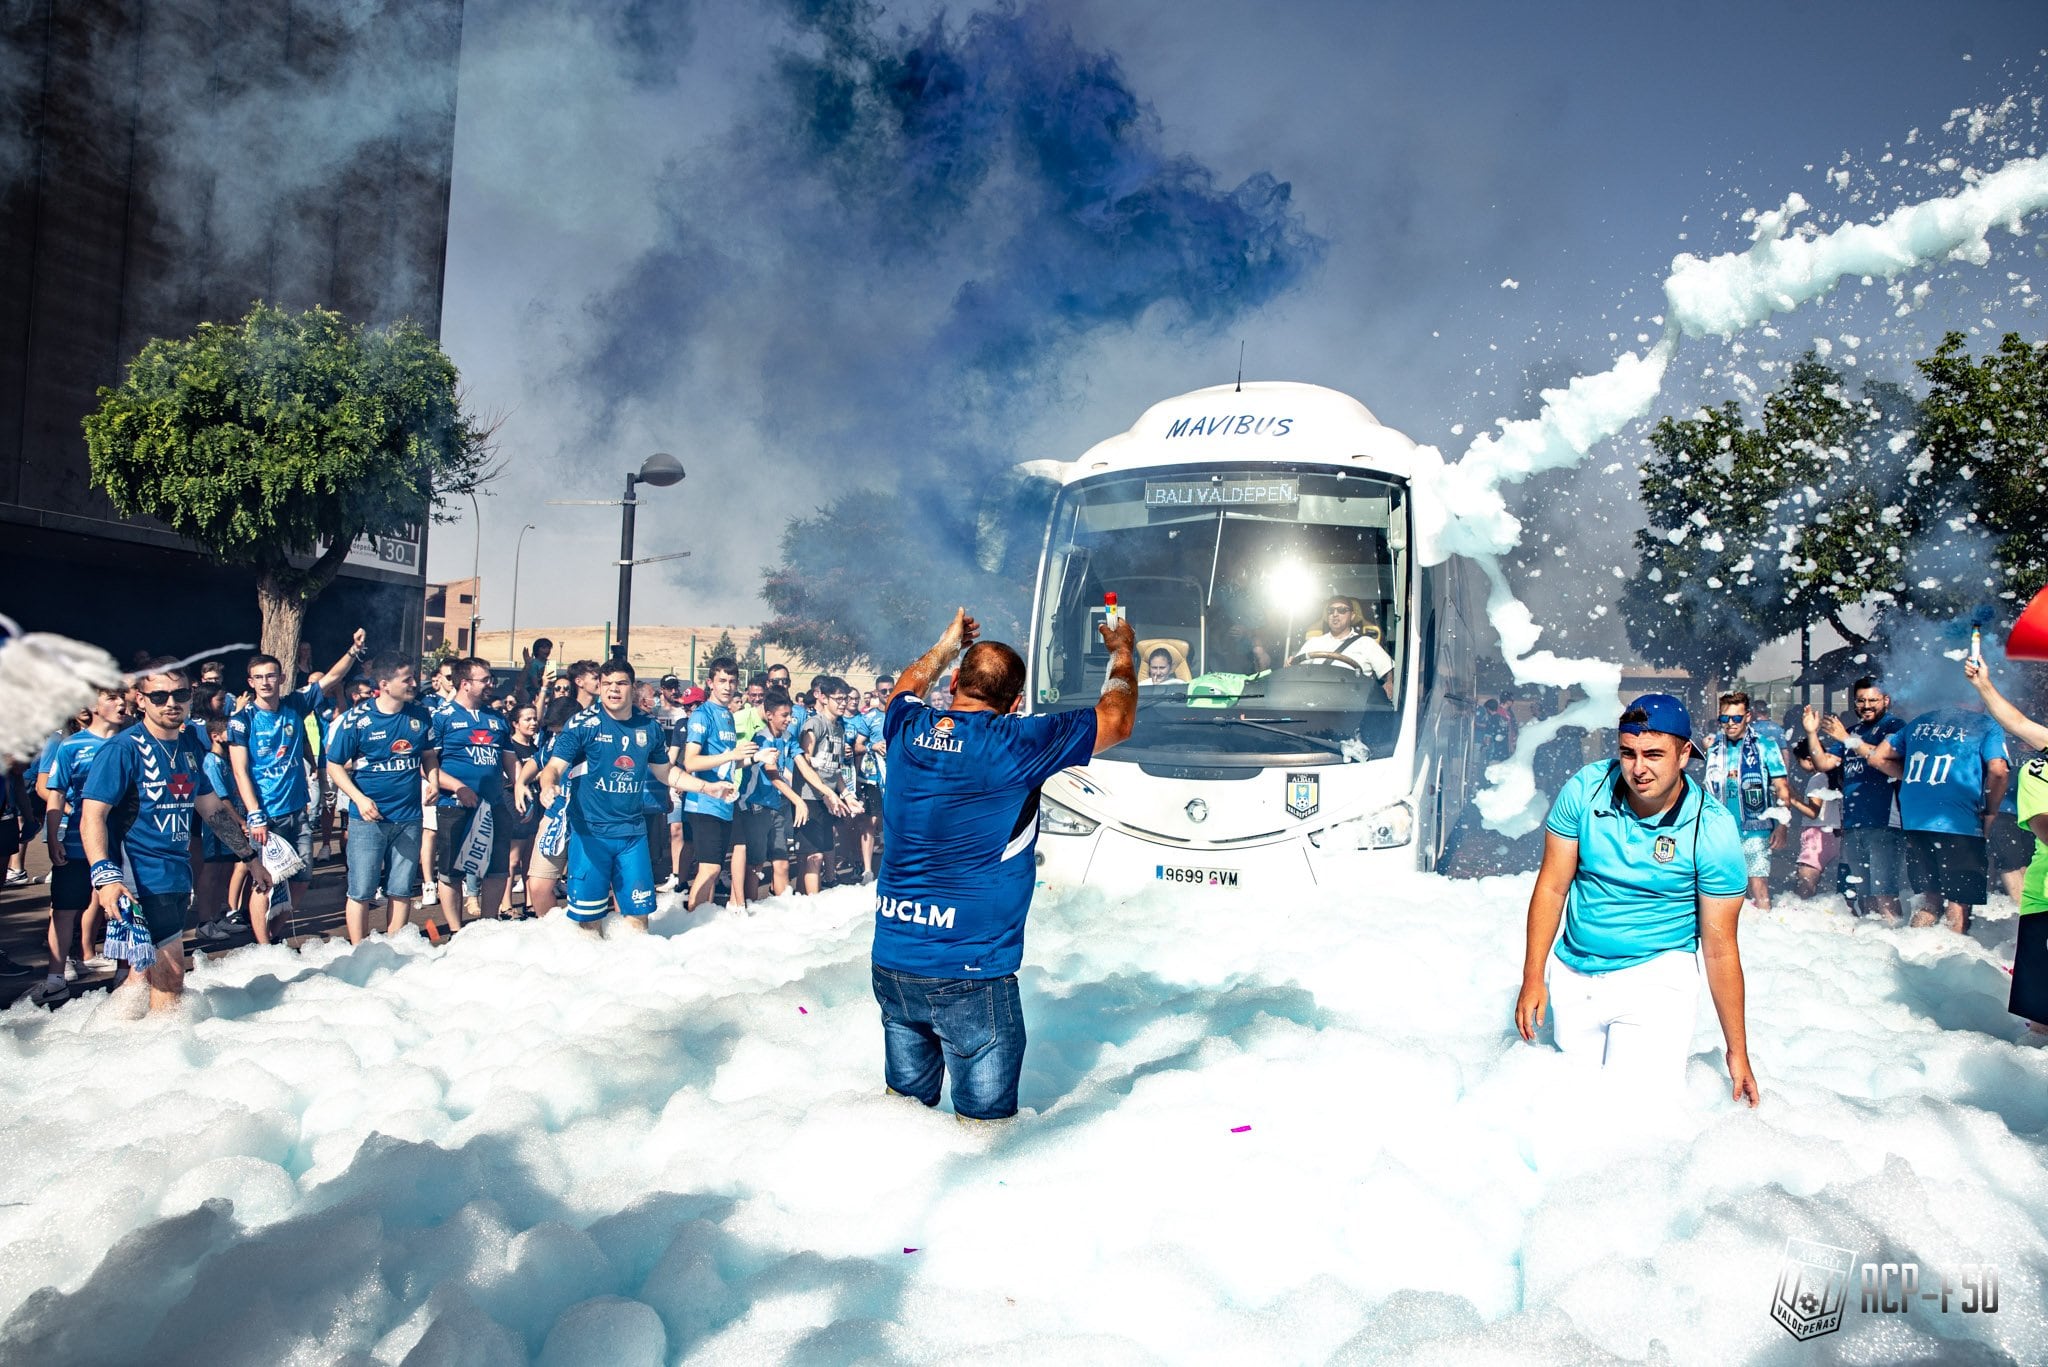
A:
[960, 826]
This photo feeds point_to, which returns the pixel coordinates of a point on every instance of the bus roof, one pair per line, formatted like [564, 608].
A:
[1268, 421]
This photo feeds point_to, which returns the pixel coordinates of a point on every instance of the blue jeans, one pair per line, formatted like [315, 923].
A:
[971, 1028]
[383, 854]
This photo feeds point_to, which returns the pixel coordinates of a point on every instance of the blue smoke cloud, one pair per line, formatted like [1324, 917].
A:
[994, 189]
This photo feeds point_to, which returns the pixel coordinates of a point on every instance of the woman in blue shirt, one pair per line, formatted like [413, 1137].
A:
[1643, 871]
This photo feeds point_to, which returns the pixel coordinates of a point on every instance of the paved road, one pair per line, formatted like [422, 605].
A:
[25, 918]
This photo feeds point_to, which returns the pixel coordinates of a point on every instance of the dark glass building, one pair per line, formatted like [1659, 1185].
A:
[165, 163]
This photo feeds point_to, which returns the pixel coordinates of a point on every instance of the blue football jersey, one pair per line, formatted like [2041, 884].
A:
[385, 749]
[151, 786]
[276, 742]
[1945, 753]
[609, 763]
[960, 828]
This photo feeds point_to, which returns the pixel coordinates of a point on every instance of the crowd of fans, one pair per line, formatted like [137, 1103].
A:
[1907, 815]
[745, 787]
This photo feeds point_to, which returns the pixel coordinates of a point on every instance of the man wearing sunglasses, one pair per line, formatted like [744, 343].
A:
[267, 748]
[136, 824]
[1746, 774]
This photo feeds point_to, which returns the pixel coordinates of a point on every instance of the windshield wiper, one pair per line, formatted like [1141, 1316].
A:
[1334, 747]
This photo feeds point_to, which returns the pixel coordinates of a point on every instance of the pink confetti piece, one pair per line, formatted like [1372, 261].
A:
[910, 1250]
[803, 1011]
[1239, 1129]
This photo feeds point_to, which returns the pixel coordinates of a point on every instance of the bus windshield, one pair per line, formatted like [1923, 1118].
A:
[1270, 606]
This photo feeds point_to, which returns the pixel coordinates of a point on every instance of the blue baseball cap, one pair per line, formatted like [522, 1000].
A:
[1665, 713]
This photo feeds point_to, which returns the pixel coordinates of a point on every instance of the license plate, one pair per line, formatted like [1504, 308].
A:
[1200, 878]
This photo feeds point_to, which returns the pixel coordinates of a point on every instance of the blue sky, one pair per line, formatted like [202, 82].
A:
[613, 169]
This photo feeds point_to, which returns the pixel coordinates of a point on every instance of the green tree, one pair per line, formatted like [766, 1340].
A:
[1757, 530]
[722, 648]
[1986, 432]
[276, 441]
[873, 579]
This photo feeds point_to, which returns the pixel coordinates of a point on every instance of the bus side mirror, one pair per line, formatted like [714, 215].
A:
[1010, 524]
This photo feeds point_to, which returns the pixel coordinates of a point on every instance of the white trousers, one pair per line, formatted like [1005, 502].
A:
[1635, 1024]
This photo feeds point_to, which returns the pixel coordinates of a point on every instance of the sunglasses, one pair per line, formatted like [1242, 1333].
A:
[160, 696]
[1730, 718]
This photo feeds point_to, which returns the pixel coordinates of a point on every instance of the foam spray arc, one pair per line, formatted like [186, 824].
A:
[1461, 509]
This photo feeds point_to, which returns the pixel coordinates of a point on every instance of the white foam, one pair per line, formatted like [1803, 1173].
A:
[1461, 508]
[677, 1148]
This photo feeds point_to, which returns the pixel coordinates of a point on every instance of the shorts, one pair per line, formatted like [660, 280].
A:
[164, 914]
[2029, 997]
[602, 867]
[711, 836]
[816, 835]
[1818, 849]
[2012, 845]
[1876, 856]
[870, 795]
[541, 867]
[1635, 1022]
[1756, 855]
[297, 831]
[765, 833]
[1952, 865]
[383, 854]
[71, 884]
[454, 831]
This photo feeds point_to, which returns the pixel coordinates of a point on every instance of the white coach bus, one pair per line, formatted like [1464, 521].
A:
[1228, 522]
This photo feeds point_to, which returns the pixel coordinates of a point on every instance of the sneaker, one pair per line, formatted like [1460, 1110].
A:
[99, 963]
[218, 931]
[431, 897]
[73, 969]
[671, 884]
[11, 969]
[17, 878]
[49, 993]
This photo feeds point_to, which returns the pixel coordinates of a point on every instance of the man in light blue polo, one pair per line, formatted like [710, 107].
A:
[1643, 871]
[959, 821]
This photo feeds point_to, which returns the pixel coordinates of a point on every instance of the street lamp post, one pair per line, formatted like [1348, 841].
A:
[660, 470]
[476, 560]
[518, 549]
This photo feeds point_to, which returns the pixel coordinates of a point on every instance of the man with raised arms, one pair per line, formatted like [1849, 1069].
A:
[136, 824]
[960, 828]
[1643, 870]
[267, 747]
[606, 753]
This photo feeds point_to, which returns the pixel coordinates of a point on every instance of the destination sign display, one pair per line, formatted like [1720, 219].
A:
[1222, 493]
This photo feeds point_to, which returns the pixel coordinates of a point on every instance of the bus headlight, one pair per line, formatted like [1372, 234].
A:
[1388, 828]
[1053, 819]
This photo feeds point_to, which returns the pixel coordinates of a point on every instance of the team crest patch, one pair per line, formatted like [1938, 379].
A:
[639, 738]
[1304, 795]
[1666, 849]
